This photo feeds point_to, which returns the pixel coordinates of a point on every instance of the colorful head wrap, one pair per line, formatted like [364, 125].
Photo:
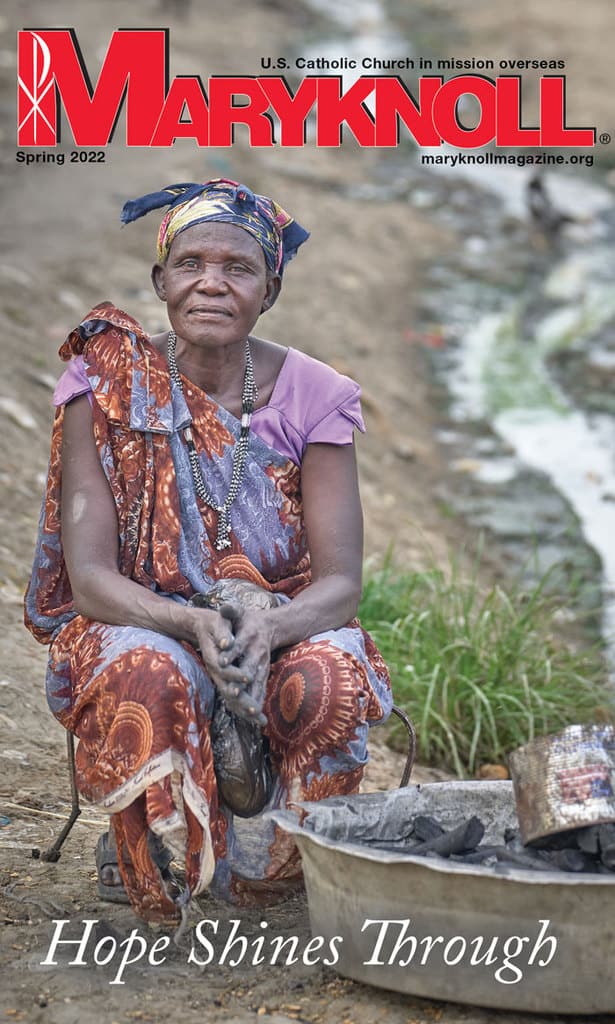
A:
[220, 199]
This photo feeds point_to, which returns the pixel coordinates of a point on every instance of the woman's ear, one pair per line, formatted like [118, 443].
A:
[274, 284]
[158, 281]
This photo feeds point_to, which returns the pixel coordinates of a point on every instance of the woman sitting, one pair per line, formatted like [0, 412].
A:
[200, 455]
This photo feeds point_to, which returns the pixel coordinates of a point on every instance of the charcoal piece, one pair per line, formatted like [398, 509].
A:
[606, 838]
[587, 839]
[510, 834]
[426, 828]
[396, 843]
[465, 837]
[477, 856]
[392, 847]
[607, 857]
[528, 860]
[573, 860]
[557, 841]
[516, 845]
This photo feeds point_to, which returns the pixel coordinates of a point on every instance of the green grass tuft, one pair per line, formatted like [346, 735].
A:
[479, 673]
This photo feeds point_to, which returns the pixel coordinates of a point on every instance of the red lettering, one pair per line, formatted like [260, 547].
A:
[291, 110]
[445, 111]
[134, 66]
[335, 108]
[51, 72]
[509, 130]
[395, 103]
[553, 116]
[185, 94]
[223, 114]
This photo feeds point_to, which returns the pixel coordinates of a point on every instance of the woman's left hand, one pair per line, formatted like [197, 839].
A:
[333, 524]
[250, 649]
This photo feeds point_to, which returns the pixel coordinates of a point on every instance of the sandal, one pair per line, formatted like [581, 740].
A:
[106, 857]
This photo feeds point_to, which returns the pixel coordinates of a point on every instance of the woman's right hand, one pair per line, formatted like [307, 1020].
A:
[214, 638]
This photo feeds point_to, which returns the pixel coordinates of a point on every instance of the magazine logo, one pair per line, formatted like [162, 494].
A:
[36, 96]
[51, 71]
[52, 76]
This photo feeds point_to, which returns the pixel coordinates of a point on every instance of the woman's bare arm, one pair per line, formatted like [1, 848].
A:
[91, 548]
[334, 527]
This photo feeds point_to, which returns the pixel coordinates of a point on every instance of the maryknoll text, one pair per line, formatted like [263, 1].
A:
[374, 108]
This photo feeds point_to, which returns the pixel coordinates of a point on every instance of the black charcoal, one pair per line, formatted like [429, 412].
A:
[583, 850]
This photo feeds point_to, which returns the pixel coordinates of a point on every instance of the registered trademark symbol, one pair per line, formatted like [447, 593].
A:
[604, 138]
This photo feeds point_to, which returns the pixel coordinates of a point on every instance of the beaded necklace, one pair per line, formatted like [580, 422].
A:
[249, 395]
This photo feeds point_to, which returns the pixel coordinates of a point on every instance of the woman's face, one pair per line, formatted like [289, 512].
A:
[215, 283]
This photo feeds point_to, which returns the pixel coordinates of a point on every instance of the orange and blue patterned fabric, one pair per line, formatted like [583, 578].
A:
[140, 702]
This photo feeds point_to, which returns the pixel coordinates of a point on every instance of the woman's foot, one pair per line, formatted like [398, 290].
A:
[110, 885]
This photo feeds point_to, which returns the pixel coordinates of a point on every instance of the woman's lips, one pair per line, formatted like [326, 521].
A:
[205, 312]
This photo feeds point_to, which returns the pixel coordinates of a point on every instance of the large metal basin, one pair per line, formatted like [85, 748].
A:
[349, 885]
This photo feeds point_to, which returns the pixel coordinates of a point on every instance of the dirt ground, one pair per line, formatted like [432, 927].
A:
[349, 300]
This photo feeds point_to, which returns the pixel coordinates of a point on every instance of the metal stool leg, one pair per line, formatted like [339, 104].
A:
[53, 852]
[411, 745]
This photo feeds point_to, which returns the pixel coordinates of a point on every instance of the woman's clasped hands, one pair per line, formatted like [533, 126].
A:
[235, 644]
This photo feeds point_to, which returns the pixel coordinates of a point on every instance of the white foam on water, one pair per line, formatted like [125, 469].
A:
[574, 449]
[579, 458]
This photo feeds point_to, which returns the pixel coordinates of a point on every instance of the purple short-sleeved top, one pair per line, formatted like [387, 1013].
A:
[310, 403]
